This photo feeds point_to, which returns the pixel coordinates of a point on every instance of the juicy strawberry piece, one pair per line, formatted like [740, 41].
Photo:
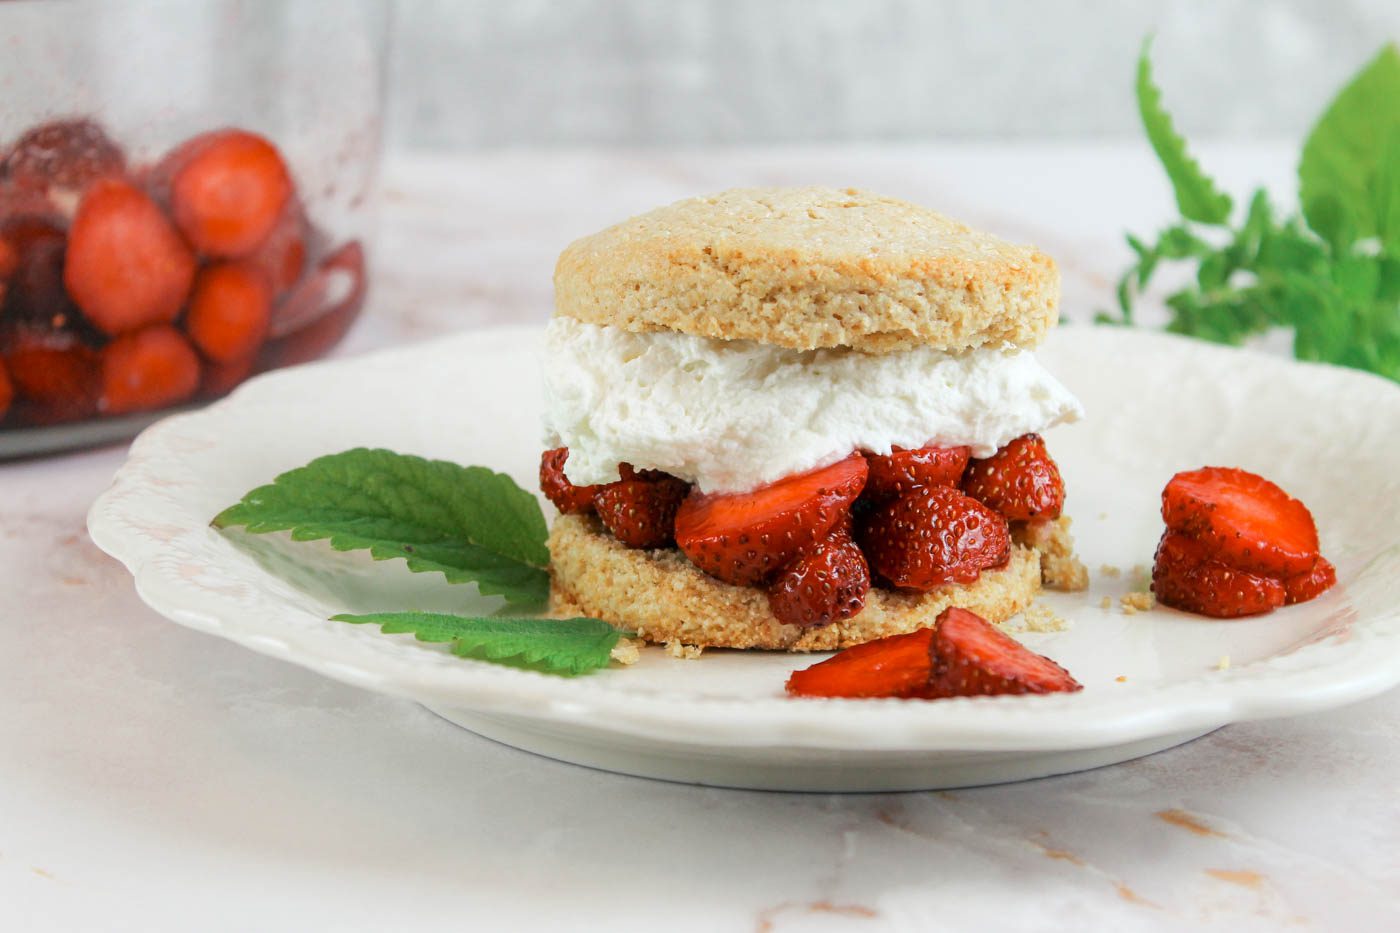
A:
[971, 657]
[901, 471]
[55, 376]
[228, 191]
[745, 538]
[218, 379]
[9, 258]
[149, 369]
[1020, 481]
[641, 513]
[126, 267]
[229, 311]
[322, 306]
[1306, 586]
[7, 388]
[897, 666]
[935, 535]
[823, 585]
[1244, 520]
[567, 497]
[65, 154]
[1185, 576]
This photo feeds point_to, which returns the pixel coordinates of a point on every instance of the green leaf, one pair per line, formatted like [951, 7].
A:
[1344, 183]
[468, 523]
[1196, 194]
[562, 646]
[1387, 190]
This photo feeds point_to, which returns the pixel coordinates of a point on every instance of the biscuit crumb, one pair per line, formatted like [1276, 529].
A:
[687, 652]
[1039, 618]
[1135, 602]
[1121, 678]
[1059, 568]
[1103, 516]
[1108, 570]
[627, 651]
[1223, 664]
[1106, 602]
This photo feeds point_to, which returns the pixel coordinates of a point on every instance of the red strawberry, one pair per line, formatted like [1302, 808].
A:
[318, 312]
[641, 513]
[1020, 481]
[932, 536]
[823, 585]
[897, 666]
[1306, 586]
[744, 538]
[221, 378]
[32, 248]
[1244, 520]
[55, 376]
[556, 487]
[229, 310]
[901, 471]
[9, 258]
[974, 658]
[282, 255]
[149, 369]
[66, 154]
[1185, 576]
[227, 191]
[126, 267]
[7, 388]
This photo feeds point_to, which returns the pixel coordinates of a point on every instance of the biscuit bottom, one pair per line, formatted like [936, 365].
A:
[664, 598]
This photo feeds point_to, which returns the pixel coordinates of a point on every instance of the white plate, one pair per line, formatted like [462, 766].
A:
[1156, 405]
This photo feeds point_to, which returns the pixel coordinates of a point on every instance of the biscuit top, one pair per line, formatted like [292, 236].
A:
[807, 268]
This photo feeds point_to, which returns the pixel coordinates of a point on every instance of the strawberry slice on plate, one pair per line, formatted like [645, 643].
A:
[1020, 481]
[1306, 586]
[972, 657]
[896, 666]
[1186, 576]
[1243, 520]
[935, 535]
[901, 471]
[745, 538]
[823, 585]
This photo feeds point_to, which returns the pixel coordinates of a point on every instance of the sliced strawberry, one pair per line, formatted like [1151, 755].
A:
[149, 369]
[901, 471]
[55, 375]
[932, 536]
[217, 379]
[1185, 576]
[7, 389]
[745, 538]
[971, 657]
[1306, 586]
[229, 310]
[897, 666]
[227, 191]
[824, 584]
[567, 497]
[1020, 481]
[322, 307]
[641, 513]
[67, 155]
[126, 267]
[1244, 520]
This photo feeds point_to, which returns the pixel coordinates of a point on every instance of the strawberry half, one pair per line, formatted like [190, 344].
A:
[1020, 481]
[56, 377]
[1306, 586]
[227, 191]
[1185, 576]
[897, 666]
[744, 538]
[229, 310]
[823, 585]
[933, 536]
[641, 513]
[971, 657]
[1243, 520]
[901, 471]
[146, 370]
[567, 497]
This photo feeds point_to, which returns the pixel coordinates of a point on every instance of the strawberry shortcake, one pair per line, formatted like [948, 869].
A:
[801, 418]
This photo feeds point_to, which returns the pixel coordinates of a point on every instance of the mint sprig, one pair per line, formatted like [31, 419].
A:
[1331, 275]
[470, 524]
[563, 646]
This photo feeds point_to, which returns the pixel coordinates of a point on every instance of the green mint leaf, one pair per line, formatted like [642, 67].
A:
[468, 523]
[1196, 195]
[1344, 183]
[1387, 190]
[563, 646]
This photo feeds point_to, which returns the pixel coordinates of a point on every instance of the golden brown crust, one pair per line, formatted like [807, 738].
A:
[1059, 568]
[665, 598]
[808, 268]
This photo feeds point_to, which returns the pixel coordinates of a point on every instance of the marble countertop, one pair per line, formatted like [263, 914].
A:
[152, 778]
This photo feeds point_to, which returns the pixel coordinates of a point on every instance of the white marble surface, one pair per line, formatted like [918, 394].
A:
[152, 778]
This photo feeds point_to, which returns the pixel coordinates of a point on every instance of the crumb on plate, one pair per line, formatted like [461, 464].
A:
[1109, 570]
[627, 651]
[688, 652]
[1136, 601]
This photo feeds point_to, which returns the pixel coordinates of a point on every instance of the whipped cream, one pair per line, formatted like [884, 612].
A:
[734, 415]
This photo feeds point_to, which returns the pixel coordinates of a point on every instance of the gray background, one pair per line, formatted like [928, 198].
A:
[490, 73]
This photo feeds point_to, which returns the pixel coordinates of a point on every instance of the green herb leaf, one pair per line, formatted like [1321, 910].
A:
[1196, 194]
[564, 646]
[1345, 185]
[468, 523]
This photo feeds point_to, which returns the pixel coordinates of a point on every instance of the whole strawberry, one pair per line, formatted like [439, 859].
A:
[1020, 481]
[935, 535]
[823, 585]
[641, 513]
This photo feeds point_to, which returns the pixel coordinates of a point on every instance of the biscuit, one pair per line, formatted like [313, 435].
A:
[807, 268]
